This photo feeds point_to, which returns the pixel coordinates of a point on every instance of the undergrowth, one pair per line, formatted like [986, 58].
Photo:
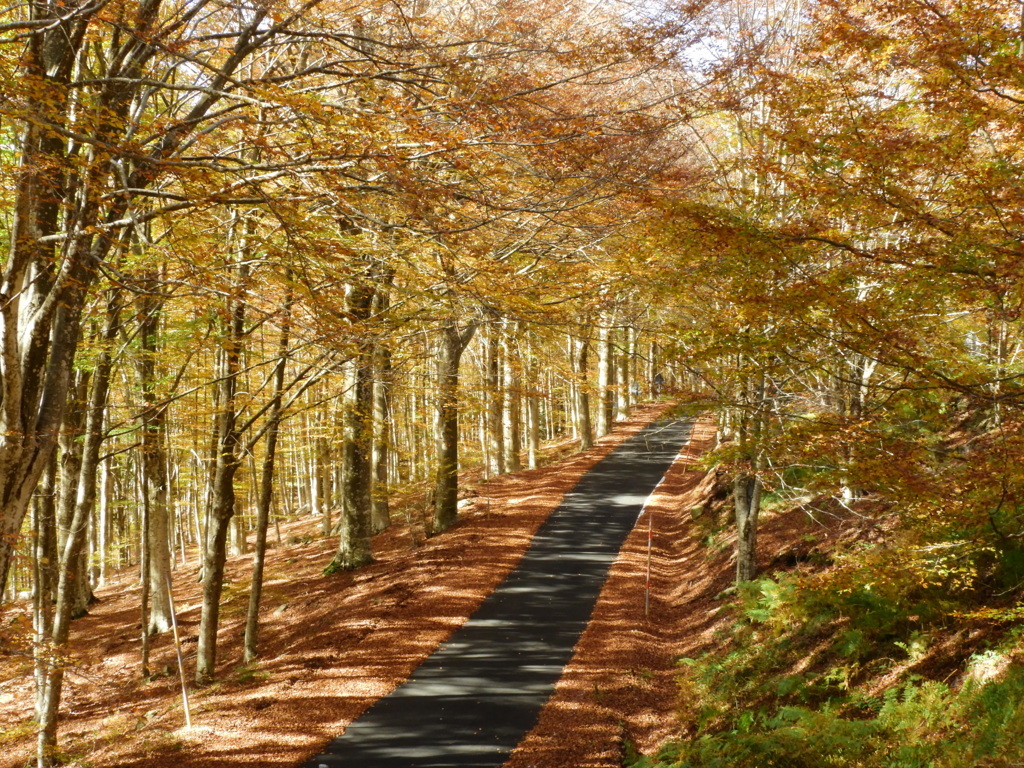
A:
[862, 665]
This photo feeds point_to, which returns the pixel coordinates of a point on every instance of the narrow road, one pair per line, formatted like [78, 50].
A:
[475, 698]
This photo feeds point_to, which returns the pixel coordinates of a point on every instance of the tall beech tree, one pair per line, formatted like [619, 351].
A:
[454, 338]
[154, 458]
[227, 449]
[357, 482]
[267, 478]
[87, 94]
[48, 693]
[383, 429]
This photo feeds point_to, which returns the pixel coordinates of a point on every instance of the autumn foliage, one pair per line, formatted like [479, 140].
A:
[330, 259]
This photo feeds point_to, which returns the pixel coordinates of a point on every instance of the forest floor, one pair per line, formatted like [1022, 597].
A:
[332, 645]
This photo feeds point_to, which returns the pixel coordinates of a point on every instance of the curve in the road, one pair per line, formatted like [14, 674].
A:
[473, 700]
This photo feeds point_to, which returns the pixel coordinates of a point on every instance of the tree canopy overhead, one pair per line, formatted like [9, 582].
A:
[276, 259]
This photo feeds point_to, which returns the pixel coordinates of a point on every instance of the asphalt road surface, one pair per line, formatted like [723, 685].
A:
[471, 702]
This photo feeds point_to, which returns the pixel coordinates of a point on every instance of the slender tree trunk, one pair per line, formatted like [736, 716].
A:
[747, 498]
[154, 461]
[214, 556]
[48, 700]
[106, 481]
[605, 378]
[380, 512]
[266, 493]
[306, 478]
[383, 429]
[624, 377]
[320, 473]
[495, 402]
[237, 543]
[226, 464]
[747, 486]
[483, 420]
[71, 445]
[572, 388]
[446, 484]
[44, 561]
[145, 598]
[654, 369]
[513, 404]
[582, 426]
[532, 411]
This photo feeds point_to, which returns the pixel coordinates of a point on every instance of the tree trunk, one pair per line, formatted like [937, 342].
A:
[605, 379]
[154, 461]
[495, 402]
[532, 411]
[71, 445]
[48, 699]
[103, 545]
[354, 549]
[654, 370]
[227, 461]
[747, 498]
[747, 487]
[380, 512]
[266, 494]
[44, 561]
[321, 471]
[582, 426]
[624, 378]
[237, 543]
[446, 484]
[513, 405]
[144, 568]
[214, 556]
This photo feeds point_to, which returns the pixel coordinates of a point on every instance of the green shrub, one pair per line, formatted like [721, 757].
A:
[794, 681]
[921, 724]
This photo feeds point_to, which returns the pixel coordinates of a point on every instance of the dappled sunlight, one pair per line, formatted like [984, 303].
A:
[330, 645]
[620, 682]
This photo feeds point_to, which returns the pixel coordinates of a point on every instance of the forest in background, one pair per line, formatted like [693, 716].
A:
[275, 259]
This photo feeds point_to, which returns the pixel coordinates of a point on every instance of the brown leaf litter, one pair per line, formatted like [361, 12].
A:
[332, 645]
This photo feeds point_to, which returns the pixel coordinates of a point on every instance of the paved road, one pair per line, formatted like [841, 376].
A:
[473, 700]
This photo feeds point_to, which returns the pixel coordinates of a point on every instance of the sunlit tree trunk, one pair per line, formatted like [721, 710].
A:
[154, 460]
[605, 378]
[44, 561]
[624, 377]
[747, 486]
[321, 480]
[512, 406]
[654, 368]
[495, 401]
[453, 342]
[380, 512]
[581, 405]
[266, 490]
[48, 699]
[533, 412]
[747, 498]
[355, 530]
[71, 445]
[226, 463]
